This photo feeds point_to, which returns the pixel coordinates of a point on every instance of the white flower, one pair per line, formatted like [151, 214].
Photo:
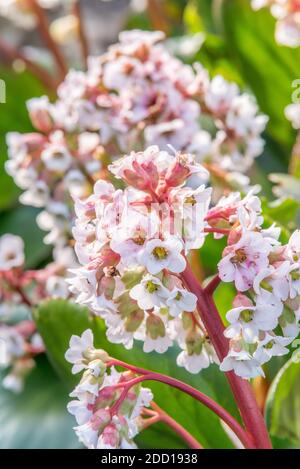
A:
[242, 261]
[293, 246]
[87, 435]
[13, 382]
[12, 345]
[57, 287]
[292, 112]
[149, 293]
[158, 255]
[79, 346]
[250, 320]
[80, 411]
[159, 344]
[56, 156]
[194, 363]
[271, 346]
[180, 300]
[144, 399]
[37, 196]
[220, 94]
[11, 252]
[242, 363]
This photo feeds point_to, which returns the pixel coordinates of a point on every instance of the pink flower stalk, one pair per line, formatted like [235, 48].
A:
[137, 290]
[111, 407]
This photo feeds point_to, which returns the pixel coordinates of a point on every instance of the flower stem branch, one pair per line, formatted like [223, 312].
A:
[77, 11]
[212, 285]
[147, 375]
[181, 431]
[10, 54]
[224, 231]
[43, 26]
[245, 399]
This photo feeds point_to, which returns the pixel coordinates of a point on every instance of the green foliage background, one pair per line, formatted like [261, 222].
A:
[239, 44]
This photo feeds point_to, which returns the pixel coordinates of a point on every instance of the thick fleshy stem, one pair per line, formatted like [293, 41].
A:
[147, 375]
[212, 285]
[244, 397]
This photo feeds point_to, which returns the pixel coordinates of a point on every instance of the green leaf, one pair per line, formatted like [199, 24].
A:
[58, 320]
[22, 221]
[283, 404]
[286, 185]
[37, 418]
[284, 213]
[269, 69]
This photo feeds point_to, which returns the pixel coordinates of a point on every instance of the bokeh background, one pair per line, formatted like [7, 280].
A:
[230, 39]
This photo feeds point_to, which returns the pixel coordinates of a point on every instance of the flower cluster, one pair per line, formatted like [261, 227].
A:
[287, 13]
[266, 274]
[20, 291]
[107, 407]
[132, 244]
[136, 94]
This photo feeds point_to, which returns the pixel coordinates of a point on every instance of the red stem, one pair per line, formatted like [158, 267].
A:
[212, 285]
[81, 31]
[181, 431]
[10, 54]
[224, 231]
[205, 400]
[241, 388]
[43, 26]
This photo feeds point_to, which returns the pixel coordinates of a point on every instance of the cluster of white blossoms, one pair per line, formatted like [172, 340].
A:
[20, 11]
[19, 343]
[287, 13]
[20, 291]
[266, 313]
[106, 418]
[132, 244]
[135, 95]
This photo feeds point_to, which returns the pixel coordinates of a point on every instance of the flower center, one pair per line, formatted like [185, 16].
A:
[246, 315]
[10, 256]
[239, 257]
[139, 240]
[160, 253]
[269, 345]
[151, 287]
[178, 296]
[190, 200]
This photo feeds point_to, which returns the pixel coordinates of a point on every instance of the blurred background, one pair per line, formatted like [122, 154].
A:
[229, 38]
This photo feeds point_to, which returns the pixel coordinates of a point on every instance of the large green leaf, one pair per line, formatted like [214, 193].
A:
[57, 320]
[269, 69]
[37, 418]
[283, 404]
